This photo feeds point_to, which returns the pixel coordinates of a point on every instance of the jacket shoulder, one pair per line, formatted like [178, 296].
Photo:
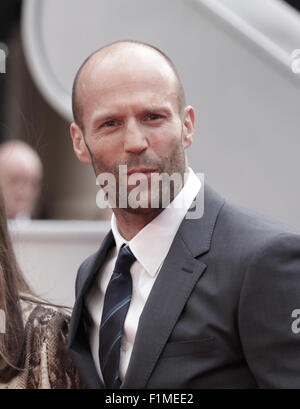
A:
[84, 270]
[249, 226]
[93, 262]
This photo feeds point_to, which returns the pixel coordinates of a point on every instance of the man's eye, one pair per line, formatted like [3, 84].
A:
[153, 117]
[110, 123]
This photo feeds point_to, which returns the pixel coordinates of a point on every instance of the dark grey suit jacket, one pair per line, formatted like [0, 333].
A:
[220, 312]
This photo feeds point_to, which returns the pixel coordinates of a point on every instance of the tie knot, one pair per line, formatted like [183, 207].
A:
[125, 258]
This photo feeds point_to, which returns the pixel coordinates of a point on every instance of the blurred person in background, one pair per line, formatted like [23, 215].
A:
[33, 333]
[20, 178]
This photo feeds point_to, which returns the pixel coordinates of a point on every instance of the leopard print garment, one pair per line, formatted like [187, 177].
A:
[48, 364]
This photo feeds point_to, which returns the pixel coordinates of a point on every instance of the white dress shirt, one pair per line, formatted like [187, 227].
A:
[150, 247]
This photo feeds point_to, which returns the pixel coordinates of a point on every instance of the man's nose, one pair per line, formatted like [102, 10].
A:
[135, 140]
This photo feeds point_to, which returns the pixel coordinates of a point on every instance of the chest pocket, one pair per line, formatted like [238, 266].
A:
[201, 346]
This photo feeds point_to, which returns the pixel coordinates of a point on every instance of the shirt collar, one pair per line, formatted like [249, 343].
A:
[160, 232]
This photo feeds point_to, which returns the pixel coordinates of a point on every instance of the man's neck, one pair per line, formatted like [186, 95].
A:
[129, 224]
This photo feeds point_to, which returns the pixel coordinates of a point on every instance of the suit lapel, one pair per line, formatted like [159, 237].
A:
[169, 294]
[171, 290]
[78, 342]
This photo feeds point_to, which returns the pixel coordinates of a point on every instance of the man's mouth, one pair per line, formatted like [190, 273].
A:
[145, 171]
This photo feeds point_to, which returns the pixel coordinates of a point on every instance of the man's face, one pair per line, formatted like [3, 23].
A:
[131, 117]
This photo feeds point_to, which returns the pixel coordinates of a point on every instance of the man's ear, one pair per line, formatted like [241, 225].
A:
[79, 144]
[188, 126]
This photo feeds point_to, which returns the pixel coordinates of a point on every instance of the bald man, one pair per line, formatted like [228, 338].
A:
[20, 178]
[171, 300]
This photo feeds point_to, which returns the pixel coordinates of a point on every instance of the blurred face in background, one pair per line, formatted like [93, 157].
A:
[20, 180]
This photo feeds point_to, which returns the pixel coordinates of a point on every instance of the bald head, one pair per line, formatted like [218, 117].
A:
[16, 150]
[124, 54]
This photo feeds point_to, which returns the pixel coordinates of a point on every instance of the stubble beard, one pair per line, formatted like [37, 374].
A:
[173, 164]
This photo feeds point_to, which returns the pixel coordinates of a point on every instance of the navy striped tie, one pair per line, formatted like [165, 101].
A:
[116, 304]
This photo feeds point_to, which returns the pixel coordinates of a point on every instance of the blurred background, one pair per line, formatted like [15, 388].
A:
[239, 64]
[68, 188]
